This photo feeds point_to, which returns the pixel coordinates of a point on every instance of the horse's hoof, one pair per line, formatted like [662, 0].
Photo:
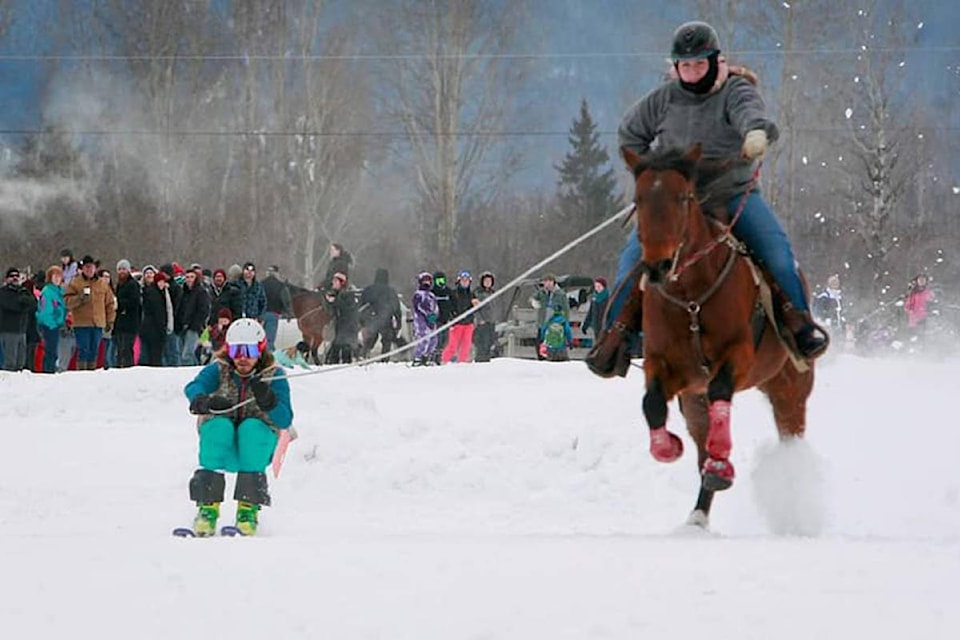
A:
[699, 519]
[718, 475]
[665, 446]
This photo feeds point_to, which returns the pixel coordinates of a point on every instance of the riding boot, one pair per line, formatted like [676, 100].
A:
[610, 356]
[809, 338]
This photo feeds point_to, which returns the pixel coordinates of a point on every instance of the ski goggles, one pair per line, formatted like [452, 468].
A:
[251, 351]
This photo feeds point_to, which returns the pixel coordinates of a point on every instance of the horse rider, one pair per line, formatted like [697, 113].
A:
[720, 108]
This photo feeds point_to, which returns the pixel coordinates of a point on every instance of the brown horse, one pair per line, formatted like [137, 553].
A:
[701, 296]
[312, 315]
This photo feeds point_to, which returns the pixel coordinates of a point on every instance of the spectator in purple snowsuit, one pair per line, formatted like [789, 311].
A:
[424, 320]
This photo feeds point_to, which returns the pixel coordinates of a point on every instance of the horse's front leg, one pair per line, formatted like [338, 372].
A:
[717, 470]
[664, 446]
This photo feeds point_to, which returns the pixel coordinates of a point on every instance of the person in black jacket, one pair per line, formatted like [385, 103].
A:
[461, 334]
[129, 311]
[192, 317]
[174, 343]
[278, 304]
[380, 307]
[445, 305]
[226, 294]
[340, 262]
[156, 319]
[346, 315]
[16, 305]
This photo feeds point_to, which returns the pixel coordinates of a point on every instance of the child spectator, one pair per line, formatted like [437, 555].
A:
[556, 338]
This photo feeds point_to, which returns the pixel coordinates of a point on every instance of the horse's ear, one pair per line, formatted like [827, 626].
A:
[694, 153]
[634, 160]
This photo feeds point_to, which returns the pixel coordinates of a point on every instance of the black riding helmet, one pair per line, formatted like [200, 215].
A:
[694, 40]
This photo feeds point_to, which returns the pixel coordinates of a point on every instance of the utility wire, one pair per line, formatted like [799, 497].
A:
[385, 134]
[457, 56]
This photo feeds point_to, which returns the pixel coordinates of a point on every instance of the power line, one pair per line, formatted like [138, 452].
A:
[453, 56]
[378, 134]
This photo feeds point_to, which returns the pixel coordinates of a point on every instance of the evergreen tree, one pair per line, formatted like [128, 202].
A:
[587, 191]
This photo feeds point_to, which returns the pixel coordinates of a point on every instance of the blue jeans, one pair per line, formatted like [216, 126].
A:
[172, 347]
[88, 341]
[188, 343]
[271, 322]
[757, 228]
[51, 341]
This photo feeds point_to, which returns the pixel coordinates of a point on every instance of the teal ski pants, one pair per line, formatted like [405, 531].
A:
[247, 447]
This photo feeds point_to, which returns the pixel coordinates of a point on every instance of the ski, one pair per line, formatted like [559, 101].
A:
[230, 531]
[184, 532]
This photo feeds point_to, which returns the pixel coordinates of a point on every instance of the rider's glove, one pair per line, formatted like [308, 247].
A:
[203, 404]
[755, 144]
[265, 396]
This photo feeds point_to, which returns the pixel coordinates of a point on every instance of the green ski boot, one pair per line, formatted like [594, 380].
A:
[205, 524]
[247, 518]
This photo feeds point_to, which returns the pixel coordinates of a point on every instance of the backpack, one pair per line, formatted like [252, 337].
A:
[555, 337]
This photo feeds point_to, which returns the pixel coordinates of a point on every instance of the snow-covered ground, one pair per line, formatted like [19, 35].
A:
[514, 499]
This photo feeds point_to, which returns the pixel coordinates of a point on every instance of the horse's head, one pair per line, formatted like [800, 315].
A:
[663, 194]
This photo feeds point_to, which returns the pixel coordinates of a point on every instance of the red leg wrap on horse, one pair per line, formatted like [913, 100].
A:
[665, 446]
[722, 469]
[719, 443]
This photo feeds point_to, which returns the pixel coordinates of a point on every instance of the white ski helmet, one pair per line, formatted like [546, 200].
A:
[247, 331]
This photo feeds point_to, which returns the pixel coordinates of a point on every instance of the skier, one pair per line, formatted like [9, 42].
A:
[241, 415]
[424, 320]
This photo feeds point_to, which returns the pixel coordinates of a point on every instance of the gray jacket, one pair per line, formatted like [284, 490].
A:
[670, 116]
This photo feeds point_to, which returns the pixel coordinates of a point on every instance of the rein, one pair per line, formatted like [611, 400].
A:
[726, 230]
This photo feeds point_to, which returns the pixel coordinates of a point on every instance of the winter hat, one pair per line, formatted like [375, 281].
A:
[249, 265]
[221, 272]
[167, 268]
[123, 264]
[161, 277]
[601, 280]
[273, 269]
[177, 269]
[234, 272]
[487, 274]
[149, 267]
[225, 313]
[66, 253]
[549, 276]
[464, 274]
[13, 272]
[87, 259]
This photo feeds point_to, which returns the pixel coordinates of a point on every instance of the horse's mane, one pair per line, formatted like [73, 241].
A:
[673, 159]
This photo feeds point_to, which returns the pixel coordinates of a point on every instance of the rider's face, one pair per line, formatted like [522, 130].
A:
[693, 70]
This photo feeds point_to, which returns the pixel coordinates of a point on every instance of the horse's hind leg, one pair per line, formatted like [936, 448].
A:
[788, 392]
[717, 470]
[694, 409]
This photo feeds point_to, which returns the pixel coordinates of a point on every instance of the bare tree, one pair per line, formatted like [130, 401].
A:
[882, 138]
[448, 85]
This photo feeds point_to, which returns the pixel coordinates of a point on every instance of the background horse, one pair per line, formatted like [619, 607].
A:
[701, 295]
[312, 315]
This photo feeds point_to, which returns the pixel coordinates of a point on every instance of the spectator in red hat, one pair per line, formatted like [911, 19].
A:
[598, 306]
